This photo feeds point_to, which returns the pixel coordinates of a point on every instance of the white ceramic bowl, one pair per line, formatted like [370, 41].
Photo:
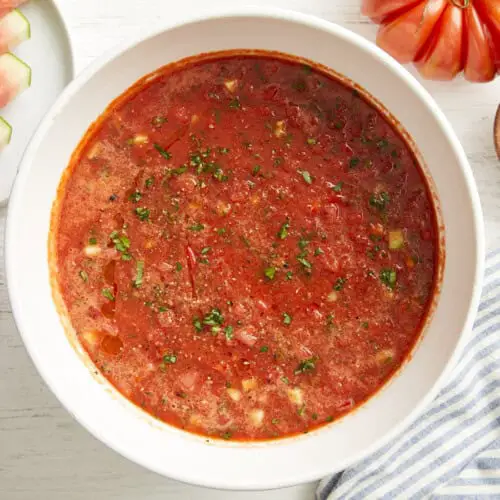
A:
[168, 450]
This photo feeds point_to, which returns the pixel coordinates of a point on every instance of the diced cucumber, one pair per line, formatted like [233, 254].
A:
[5, 133]
[396, 239]
[14, 29]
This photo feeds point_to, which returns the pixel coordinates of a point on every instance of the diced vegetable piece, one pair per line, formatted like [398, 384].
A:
[296, 396]
[138, 139]
[385, 356]
[5, 133]
[15, 77]
[257, 417]
[234, 394]
[280, 128]
[92, 250]
[231, 85]
[249, 384]
[14, 29]
[396, 239]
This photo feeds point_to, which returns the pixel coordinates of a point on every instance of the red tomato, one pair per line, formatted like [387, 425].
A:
[442, 37]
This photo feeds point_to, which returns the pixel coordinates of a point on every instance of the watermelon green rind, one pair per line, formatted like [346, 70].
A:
[5, 132]
[26, 21]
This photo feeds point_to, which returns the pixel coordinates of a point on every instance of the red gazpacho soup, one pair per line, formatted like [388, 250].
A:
[245, 245]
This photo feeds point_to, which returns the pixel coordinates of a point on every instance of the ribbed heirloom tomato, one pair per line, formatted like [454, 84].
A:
[442, 37]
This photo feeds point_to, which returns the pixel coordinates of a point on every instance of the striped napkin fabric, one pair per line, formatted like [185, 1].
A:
[452, 451]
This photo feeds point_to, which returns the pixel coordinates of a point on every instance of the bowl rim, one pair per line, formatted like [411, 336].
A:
[316, 23]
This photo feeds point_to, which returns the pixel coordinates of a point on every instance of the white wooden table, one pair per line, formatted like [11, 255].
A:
[44, 453]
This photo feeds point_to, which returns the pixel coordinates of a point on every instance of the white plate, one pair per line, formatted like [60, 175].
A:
[50, 56]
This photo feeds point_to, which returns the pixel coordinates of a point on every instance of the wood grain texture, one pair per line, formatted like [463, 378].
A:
[44, 453]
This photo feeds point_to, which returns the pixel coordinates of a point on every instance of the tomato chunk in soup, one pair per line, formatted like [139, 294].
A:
[245, 246]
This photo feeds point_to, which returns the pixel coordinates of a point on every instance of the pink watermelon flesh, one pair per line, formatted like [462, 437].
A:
[7, 5]
[15, 76]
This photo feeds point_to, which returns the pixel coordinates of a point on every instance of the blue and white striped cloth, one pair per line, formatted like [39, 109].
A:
[453, 450]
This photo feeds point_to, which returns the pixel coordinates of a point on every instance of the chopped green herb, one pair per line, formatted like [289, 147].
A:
[158, 121]
[213, 318]
[178, 266]
[205, 250]
[139, 274]
[379, 201]
[245, 241]
[288, 275]
[318, 251]
[285, 380]
[287, 319]
[278, 161]
[197, 227]
[339, 125]
[220, 231]
[364, 324]
[256, 170]
[106, 292]
[382, 144]
[264, 348]
[170, 359]
[301, 410]
[388, 277]
[354, 162]
[135, 196]
[204, 261]
[339, 284]
[275, 421]
[299, 85]
[306, 365]
[164, 153]
[305, 263]
[329, 419]
[303, 243]
[122, 244]
[329, 320]
[229, 332]
[283, 232]
[223, 151]
[219, 175]
[162, 309]
[338, 187]
[177, 171]
[142, 213]
[306, 176]
[270, 272]
[235, 103]
[197, 324]
[226, 435]
[149, 182]
[314, 416]
[92, 241]
[84, 276]
[311, 141]
[306, 69]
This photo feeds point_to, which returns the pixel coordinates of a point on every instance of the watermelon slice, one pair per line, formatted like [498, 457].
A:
[14, 29]
[15, 76]
[7, 5]
[5, 133]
